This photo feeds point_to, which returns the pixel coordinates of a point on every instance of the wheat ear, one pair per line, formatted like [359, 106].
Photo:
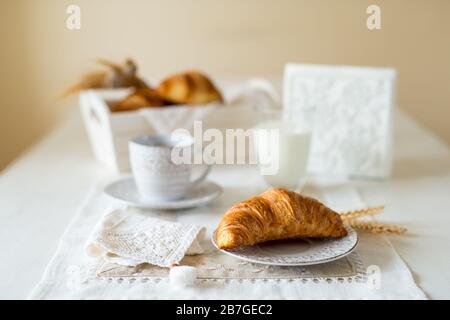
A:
[376, 227]
[352, 214]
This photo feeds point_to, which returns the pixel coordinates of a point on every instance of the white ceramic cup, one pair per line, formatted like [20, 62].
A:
[157, 177]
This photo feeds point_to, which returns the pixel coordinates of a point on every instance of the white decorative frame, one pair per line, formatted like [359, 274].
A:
[350, 109]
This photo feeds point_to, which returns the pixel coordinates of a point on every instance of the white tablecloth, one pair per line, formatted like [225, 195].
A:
[71, 274]
[43, 190]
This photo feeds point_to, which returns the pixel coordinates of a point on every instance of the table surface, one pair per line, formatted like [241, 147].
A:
[41, 192]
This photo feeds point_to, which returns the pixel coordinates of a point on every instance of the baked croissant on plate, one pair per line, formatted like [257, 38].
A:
[274, 215]
[190, 87]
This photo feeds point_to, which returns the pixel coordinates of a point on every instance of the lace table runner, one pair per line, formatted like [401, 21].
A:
[215, 265]
[73, 275]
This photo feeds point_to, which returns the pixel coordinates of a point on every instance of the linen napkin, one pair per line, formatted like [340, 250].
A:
[129, 238]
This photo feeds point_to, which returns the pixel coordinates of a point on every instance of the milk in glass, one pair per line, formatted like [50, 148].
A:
[285, 153]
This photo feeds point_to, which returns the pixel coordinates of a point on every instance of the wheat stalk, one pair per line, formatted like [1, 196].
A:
[350, 218]
[353, 214]
[376, 227]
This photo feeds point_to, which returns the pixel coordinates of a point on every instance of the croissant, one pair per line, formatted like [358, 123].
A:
[189, 88]
[139, 98]
[274, 215]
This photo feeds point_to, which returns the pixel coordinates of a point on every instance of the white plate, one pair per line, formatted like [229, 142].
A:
[125, 191]
[296, 252]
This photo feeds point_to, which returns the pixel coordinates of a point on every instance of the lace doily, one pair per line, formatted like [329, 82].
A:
[130, 238]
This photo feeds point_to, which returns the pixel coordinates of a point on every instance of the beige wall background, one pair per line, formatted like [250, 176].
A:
[39, 55]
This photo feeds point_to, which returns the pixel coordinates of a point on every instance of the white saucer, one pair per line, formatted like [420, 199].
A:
[296, 252]
[125, 191]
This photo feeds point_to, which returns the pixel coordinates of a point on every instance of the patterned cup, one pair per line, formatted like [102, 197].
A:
[157, 176]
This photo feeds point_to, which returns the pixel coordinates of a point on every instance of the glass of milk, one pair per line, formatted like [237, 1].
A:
[282, 149]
